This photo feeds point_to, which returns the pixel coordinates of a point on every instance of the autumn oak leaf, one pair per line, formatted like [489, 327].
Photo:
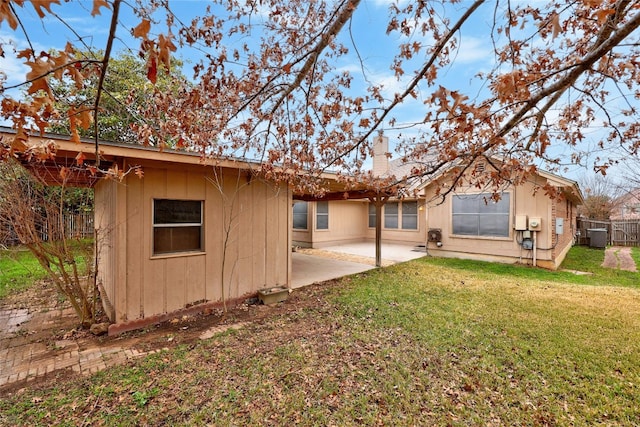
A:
[165, 46]
[97, 4]
[152, 69]
[80, 158]
[7, 13]
[38, 5]
[142, 30]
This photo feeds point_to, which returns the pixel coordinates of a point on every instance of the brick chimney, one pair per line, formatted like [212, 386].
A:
[380, 159]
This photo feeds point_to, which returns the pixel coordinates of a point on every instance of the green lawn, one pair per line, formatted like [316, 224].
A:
[18, 270]
[429, 342]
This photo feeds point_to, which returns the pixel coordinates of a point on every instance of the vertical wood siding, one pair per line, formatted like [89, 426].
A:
[257, 250]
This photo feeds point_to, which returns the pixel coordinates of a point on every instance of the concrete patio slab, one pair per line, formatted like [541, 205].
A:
[391, 252]
[308, 268]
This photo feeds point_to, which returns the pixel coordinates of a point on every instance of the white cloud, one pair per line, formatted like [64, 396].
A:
[472, 50]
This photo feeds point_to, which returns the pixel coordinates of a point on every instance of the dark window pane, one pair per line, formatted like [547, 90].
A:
[409, 208]
[300, 221]
[176, 239]
[494, 225]
[391, 208]
[322, 215]
[372, 215]
[300, 210]
[391, 215]
[322, 207]
[465, 204]
[409, 215]
[478, 215]
[410, 222]
[177, 211]
[466, 225]
[322, 222]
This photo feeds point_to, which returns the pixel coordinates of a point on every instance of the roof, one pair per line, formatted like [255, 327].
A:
[78, 160]
[401, 168]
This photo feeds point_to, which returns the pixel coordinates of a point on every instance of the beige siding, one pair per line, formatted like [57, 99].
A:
[246, 221]
[131, 223]
[347, 223]
[105, 214]
[524, 201]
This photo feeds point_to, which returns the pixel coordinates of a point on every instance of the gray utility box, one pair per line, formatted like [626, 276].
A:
[597, 237]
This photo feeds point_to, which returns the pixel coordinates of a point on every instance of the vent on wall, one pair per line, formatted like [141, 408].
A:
[480, 166]
[435, 235]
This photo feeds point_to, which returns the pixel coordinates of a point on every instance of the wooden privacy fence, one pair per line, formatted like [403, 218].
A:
[79, 225]
[76, 225]
[619, 232]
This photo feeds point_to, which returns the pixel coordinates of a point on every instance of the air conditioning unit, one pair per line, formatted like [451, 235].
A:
[535, 224]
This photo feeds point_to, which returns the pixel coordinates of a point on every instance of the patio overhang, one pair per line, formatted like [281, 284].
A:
[56, 160]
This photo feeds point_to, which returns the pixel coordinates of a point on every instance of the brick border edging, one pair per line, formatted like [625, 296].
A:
[131, 325]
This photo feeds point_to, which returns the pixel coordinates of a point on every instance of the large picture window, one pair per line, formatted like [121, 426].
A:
[300, 215]
[478, 215]
[322, 215]
[177, 226]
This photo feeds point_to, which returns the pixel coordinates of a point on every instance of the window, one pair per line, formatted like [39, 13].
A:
[478, 215]
[300, 211]
[409, 215]
[322, 215]
[372, 215]
[177, 226]
[394, 212]
[391, 215]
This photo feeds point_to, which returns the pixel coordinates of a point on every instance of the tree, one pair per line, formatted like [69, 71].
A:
[35, 214]
[269, 83]
[126, 91]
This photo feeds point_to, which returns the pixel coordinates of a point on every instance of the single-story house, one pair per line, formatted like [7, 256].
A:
[525, 225]
[187, 234]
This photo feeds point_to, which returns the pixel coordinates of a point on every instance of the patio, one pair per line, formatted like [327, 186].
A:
[316, 265]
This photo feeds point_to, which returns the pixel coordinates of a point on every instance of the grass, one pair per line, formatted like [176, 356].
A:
[579, 258]
[635, 254]
[18, 270]
[429, 342]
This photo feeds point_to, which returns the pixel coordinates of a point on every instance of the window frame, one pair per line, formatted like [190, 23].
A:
[322, 214]
[372, 215]
[390, 218]
[175, 225]
[410, 215]
[299, 214]
[481, 214]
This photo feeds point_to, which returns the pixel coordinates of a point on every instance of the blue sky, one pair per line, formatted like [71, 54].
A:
[369, 25]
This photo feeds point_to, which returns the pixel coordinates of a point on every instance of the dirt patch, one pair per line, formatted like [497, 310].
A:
[619, 258]
[51, 323]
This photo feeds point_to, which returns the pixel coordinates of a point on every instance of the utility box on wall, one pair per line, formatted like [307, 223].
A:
[559, 226]
[535, 224]
[521, 223]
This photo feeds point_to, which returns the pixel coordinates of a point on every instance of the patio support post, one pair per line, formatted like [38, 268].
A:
[378, 202]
